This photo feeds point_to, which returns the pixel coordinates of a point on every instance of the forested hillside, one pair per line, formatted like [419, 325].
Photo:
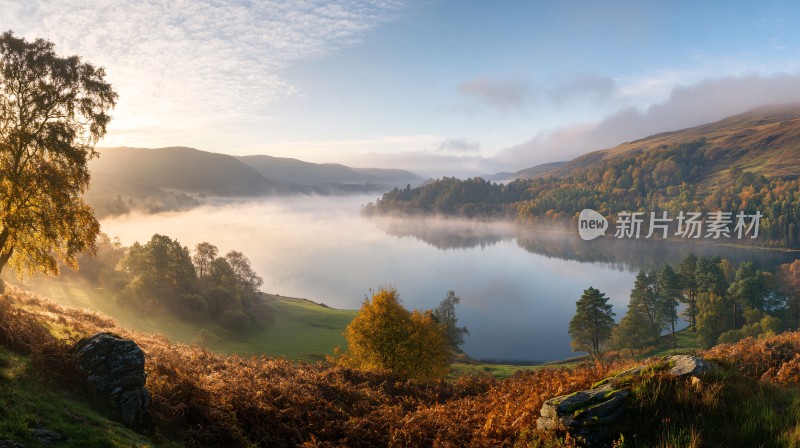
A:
[748, 163]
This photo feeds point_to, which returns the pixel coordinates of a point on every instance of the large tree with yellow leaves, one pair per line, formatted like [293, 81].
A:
[387, 336]
[53, 110]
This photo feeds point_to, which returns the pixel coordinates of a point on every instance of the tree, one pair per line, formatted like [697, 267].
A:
[53, 110]
[646, 297]
[445, 313]
[591, 326]
[632, 331]
[788, 280]
[204, 256]
[670, 290]
[712, 320]
[687, 272]
[384, 335]
[246, 278]
[748, 290]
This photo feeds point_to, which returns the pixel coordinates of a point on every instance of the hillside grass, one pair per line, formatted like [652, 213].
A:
[300, 329]
[205, 399]
[29, 405]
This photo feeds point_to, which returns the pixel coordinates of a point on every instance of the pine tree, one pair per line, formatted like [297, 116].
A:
[591, 326]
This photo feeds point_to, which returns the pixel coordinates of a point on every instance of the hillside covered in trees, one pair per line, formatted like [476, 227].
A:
[748, 162]
[719, 301]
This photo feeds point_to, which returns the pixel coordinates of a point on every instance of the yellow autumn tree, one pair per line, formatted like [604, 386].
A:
[53, 110]
[386, 336]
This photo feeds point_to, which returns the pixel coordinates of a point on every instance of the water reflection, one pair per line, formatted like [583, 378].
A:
[624, 254]
[518, 286]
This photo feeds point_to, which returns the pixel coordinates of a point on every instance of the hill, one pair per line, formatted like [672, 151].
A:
[299, 329]
[292, 171]
[526, 173]
[205, 399]
[177, 178]
[748, 162]
[181, 169]
[763, 141]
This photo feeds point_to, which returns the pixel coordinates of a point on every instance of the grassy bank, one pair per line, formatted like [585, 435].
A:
[300, 330]
[34, 413]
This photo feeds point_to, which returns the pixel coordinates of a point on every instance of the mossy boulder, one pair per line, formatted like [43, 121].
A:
[587, 415]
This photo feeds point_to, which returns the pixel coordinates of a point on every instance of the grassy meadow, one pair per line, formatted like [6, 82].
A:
[300, 329]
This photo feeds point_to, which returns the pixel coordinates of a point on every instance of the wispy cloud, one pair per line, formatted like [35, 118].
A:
[504, 95]
[459, 145]
[597, 88]
[702, 102]
[186, 64]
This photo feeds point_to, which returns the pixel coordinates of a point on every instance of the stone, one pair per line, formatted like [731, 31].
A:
[45, 437]
[585, 413]
[114, 367]
[687, 365]
[5, 443]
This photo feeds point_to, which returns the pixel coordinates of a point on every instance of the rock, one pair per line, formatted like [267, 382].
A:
[45, 437]
[585, 413]
[686, 365]
[114, 367]
[5, 443]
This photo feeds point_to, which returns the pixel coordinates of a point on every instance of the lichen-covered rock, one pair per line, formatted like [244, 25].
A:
[687, 365]
[584, 413]
[114, 367]
[587, 414]
[577, 411]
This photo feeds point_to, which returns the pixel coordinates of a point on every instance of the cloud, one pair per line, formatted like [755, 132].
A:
[459, 145]
[189, 64]
[503, 95]
[425, 163]
[596, 88]
[703, 102]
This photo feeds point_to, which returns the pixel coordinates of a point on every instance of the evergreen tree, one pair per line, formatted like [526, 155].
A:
[591, 326]
[712, 318]
[687, 272]
[670, 291]
[632, 331]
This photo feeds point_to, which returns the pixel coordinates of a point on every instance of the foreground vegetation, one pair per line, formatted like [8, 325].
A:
[206, 399]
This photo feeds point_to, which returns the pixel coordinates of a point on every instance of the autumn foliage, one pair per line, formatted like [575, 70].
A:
[386, 336]
[206, 399]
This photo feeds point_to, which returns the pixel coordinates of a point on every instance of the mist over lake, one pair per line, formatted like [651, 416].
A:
[518, 286]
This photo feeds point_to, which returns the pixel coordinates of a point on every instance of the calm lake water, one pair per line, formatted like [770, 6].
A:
[518, 286]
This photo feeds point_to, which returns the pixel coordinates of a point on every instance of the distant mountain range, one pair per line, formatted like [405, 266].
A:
[526, 173]
[748, 162]
[763, 141]
[297, 172]
[160, 179]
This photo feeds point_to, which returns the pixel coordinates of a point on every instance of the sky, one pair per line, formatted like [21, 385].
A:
[438, 87]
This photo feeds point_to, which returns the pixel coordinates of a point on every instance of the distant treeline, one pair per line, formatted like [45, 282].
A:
[164, 276]
[671, 178]
[723, 304]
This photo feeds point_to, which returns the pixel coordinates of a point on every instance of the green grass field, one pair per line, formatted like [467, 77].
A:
[301, 330]
[29, 406]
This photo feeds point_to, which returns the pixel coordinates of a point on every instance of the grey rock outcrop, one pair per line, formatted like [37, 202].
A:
[584, 413]
[588, 414]
[686, 365]
[114, 367]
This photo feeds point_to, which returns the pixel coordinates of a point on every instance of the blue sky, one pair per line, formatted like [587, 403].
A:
[439, 87]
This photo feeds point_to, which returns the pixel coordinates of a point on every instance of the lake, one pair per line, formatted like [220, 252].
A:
[518, 286]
